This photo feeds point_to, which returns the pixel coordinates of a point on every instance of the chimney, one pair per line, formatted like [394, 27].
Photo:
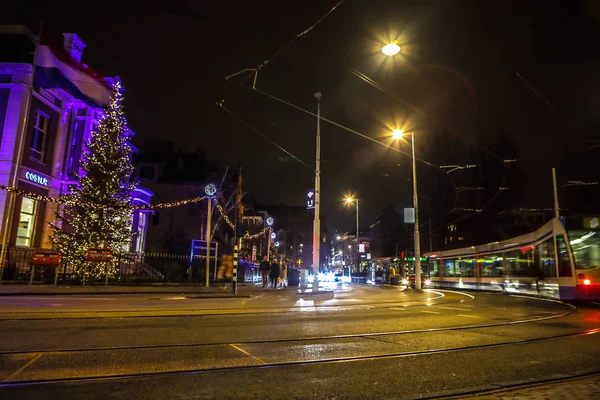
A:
[74, 46]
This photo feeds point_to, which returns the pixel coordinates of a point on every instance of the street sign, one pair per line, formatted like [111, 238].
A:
[409, 215]
[49, 258]
[361, 248]
[310, 199]
[95, 254]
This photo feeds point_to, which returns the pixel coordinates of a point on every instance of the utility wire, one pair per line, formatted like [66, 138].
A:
[362, 135]
[265, 137]
[301, 35]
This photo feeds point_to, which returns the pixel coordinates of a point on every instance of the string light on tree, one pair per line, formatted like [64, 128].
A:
[97, 211]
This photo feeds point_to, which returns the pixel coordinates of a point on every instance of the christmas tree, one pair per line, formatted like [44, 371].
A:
[97, 211]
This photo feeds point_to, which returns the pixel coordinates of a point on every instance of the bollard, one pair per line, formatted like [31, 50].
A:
[235, 268]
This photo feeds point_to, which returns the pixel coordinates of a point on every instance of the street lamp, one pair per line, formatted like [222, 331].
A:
[350, 200]
[391, 49]
[399, 134]
[210, 191]
[317, 221]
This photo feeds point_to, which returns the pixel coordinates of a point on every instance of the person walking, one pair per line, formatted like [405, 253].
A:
[265, 269]
[283, 274]
[274, 274]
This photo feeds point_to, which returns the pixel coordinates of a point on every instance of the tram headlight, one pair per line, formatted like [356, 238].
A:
[427, 282]
[587, 282]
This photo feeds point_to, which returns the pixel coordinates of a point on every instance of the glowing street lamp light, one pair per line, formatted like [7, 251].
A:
[350, 200]
[391, 49]
[398, 134]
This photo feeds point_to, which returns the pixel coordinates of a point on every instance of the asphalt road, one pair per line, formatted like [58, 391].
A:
[357, 342]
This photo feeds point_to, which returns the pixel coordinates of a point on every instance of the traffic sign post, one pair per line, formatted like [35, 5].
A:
[99, 255]
[310, 199]
[45, 259]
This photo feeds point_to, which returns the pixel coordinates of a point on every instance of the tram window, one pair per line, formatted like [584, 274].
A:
[564, 263]
[586, 248]
[491, 267]
[449, 268]
[545, 259]
[521, 262]
[435, 268]
[465, 268]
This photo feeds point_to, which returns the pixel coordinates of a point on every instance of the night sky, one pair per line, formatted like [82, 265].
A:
[455, 65]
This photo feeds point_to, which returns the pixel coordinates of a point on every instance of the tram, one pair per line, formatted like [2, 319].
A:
[560, 260]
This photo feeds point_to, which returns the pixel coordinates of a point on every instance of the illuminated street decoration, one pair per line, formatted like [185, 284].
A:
[273, 235]
[270, 221]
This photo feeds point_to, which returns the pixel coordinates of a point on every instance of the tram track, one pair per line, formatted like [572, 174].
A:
[571, 310]
[331, 360]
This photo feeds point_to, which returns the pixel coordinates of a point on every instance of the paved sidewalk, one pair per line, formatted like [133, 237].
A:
[7, 289]
[583, 388]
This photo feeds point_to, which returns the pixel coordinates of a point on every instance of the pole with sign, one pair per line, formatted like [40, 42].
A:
[99, 255]
[310, 199]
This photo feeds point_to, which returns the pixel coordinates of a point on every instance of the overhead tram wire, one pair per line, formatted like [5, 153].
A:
[362, 135]
[301, 35]
[265, 137]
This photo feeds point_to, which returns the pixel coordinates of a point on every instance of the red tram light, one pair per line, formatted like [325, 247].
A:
[587, 282]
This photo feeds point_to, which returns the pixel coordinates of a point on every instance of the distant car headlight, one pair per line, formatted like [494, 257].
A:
[427, 282]
[405, 281]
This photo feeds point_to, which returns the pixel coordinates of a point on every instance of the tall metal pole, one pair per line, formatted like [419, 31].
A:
[11, 197]
[317, 222]
[555, 190]
[209, 216]
[357, 240]
[417, 235]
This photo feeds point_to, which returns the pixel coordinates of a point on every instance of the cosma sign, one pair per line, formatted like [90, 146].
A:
[36, 178]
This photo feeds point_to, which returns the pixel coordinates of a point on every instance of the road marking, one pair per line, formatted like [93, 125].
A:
[454, 308]
[520, 315]
[248, 354]
[468, 316]
[498, 308]
[546, 312]
[396, 308]
[34, 359]
[593, 302]
[430, 312]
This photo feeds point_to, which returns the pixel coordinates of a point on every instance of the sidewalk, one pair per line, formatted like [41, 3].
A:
[580, 388]
[216, 290]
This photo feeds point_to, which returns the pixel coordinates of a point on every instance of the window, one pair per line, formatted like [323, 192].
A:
[564, 263]
[586, 248]
[38, 140]
[465, 268]
[435, 268]
[141, 231]
[26, 222]
[449, 268]
[546, 262]
[491, 266]
[521, 262]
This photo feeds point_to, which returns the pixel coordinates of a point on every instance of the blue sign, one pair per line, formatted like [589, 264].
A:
[310, 199]
[40, 180]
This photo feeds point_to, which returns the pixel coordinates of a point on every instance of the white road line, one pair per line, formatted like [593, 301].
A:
[468, 316]
[593, 302]
[397, 308]
[498, 308]
[520, 315]
[454, 308]
[430, 312]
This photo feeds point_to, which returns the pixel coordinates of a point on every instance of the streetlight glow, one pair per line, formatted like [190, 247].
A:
[349, 200]
[390, 49]
[398, 134]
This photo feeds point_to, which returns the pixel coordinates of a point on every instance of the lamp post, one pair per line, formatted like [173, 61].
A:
[350, 200]
[317, 221]
[399, 134]
[210, 191]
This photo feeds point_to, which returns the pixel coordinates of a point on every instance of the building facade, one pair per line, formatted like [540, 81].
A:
[44, 125]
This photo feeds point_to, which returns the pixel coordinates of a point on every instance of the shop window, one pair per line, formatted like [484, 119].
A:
[26, 222]
[38, 141]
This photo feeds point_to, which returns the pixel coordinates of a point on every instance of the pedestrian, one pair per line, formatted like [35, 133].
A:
[265, 269]
[274, 274]
[283, 274]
